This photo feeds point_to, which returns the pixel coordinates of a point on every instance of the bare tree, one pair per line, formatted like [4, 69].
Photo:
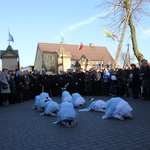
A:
[126, 58]
[121, 12]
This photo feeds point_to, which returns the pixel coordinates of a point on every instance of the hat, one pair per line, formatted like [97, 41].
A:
[91, 100]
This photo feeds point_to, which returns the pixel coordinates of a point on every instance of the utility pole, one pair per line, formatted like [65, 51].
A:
[128, 55]
[123, 32]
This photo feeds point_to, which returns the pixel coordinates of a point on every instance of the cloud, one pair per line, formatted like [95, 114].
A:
[87, 21]
[145, 33]
[79, 24]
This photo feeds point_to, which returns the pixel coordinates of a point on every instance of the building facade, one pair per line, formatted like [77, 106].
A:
[10, 58]
[56, 57]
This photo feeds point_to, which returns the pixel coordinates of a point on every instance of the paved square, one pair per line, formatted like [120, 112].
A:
[22, 128]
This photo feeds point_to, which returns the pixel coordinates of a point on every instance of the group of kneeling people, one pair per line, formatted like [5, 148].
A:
[66, 113]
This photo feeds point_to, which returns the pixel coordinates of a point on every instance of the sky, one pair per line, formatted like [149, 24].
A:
[34, 21]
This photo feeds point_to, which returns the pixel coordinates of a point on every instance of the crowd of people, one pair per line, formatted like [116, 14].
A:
[133, 81]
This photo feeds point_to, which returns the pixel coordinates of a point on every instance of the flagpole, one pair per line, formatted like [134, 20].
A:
[8, 37]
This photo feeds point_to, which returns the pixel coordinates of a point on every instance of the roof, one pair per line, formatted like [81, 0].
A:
[9, 48]
[94, 53]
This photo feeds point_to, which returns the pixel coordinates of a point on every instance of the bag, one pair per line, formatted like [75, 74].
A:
[4, 86]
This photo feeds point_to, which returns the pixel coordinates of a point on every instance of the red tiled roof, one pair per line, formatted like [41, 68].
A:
[94, 53]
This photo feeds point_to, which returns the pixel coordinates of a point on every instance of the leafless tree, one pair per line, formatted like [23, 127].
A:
[118, 11]
[126, 58]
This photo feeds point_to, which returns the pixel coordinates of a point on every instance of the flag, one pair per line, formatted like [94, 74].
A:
[10, 38]
[80, 46]
[62, 37]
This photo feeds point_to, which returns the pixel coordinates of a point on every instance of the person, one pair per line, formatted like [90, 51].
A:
[136, 81]
[4, 86]
[117, 108]
[66, 96]
[27, 82]
[130, 85]
[106, 78]
[113, 85]
[95, 105]
[20, 87]
[125, 76]
[77, 100]
[51, 108]
[17, 81]
[87, 83]
[12, 83]
[93, 81]
[67, 114]
[80, 81]
[144, 74]
[40, 101]
[119, 76]
[36, 87]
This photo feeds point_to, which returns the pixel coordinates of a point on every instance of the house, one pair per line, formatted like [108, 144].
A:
[55, 57]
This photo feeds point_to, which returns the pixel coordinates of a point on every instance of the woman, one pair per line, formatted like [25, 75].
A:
[12, 83]
[106, 78]
[4, 86]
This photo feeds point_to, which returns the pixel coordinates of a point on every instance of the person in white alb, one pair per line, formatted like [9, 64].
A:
[51, 108]
[77, 100]
[67, 114]
[117, 108]
[95, 105]
[66, 96]
[40, 101]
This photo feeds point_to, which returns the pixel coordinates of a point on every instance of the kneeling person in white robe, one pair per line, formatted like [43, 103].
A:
[51, 108]
[77, 100]
[67, 114]
[66, 96]
[95, 105]
[40, 101]
[117, 108]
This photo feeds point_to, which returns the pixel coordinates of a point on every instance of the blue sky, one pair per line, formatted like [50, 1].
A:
[34, 21]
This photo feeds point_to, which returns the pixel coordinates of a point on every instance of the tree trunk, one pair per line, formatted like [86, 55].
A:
[128, 7]
[137, 54]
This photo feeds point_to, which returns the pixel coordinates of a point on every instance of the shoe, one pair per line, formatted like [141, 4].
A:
[54, 114]
[66, 123]
[121, 118]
